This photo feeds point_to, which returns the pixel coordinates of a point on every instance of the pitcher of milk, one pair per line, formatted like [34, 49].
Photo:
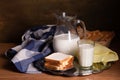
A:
[66, 36]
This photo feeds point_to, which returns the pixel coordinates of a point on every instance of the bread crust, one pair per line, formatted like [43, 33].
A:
[53, 67]
[57, 63]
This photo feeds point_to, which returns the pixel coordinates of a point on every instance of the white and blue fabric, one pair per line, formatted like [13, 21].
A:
[36, 44]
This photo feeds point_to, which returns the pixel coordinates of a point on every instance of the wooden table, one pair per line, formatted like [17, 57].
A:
[9, 72]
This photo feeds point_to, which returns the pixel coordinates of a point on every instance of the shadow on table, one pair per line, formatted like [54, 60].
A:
[115, 45]
[8, 65]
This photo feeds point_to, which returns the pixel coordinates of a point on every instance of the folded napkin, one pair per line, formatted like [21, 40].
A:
[36, 44]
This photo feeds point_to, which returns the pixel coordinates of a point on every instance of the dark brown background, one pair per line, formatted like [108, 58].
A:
[16, 16]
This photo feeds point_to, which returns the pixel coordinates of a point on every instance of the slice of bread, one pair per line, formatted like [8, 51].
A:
[58, 58]
[60, 67]
[59, 61]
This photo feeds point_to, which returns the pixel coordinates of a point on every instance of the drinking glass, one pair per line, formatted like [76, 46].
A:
[85, 56]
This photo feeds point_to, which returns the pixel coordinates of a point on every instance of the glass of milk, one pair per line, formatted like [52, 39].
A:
[85, 54]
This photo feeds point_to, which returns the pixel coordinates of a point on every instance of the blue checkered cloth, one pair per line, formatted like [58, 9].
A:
[36, 44]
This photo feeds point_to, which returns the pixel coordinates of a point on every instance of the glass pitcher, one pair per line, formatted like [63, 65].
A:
[66, 36]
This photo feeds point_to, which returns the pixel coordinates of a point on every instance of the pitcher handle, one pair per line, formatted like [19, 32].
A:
[82, 25]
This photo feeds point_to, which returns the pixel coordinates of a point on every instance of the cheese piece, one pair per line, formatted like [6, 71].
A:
[104, 54]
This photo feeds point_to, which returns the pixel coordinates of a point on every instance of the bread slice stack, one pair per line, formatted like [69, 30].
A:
[59, 61]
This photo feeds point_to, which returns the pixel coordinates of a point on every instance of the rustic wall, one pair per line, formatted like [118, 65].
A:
[16, 16]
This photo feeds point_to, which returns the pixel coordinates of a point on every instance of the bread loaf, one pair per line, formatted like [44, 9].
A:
[102, 37]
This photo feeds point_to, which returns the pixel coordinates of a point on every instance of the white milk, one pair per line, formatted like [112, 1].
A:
[63, 43]
[86, 52]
